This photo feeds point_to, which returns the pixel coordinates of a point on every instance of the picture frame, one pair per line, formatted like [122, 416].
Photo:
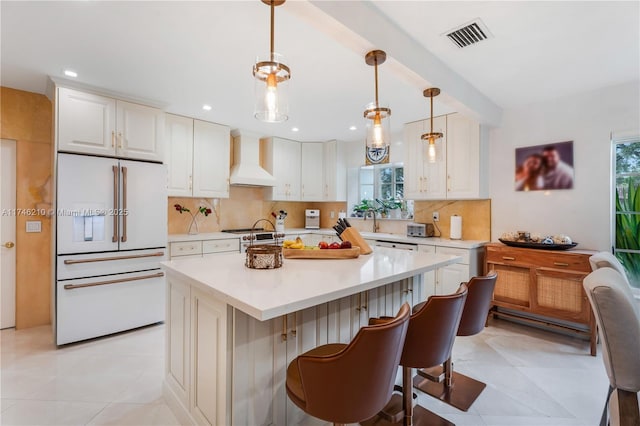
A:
[544, 167]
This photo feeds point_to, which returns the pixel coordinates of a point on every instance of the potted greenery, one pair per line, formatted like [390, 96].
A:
[391, 205]
[364, 207]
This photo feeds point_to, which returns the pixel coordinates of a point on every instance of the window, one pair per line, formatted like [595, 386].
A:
[385, 183]
[627, 206]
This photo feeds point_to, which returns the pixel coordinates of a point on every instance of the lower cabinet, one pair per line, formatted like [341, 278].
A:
[447, 279]
[542, 287]
[204, 247]
[225, 367]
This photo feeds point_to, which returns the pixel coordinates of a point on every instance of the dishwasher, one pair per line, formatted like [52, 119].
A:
[396, 245]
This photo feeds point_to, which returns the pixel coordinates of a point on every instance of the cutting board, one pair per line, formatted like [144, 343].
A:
[350, 253]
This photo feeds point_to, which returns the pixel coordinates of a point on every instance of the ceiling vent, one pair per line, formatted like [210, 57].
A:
[470, 33]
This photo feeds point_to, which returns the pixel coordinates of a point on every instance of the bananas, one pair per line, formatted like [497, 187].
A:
[291, 244]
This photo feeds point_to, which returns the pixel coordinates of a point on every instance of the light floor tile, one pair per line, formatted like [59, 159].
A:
[533, 377]
[43, 413]
[135, 415]
[89, 388]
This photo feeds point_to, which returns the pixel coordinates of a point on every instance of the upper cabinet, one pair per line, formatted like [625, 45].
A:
[335, 171]
[305, 171]
[311, 171]
[457, 171]
[198, 158]
[282, 160]
[100, 125]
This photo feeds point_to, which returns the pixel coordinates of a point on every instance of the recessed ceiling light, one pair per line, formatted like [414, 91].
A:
[353, 128]
[206, 107]
[294, 129]
[70, 73]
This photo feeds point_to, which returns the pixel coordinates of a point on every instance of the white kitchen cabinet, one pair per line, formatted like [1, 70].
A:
[199, 157]
[178, 346]
[457, 172]
[335, 171]
[93, 124]
[203, 247]
[463, 158]
[282, 160]
[424, 180]
[447, 279]
[312, 171]
[179, 138]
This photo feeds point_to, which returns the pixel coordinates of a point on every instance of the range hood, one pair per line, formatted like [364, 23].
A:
[246, 170]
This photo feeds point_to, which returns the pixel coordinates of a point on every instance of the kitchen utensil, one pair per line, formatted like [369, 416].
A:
[352, 235]
[274, 215]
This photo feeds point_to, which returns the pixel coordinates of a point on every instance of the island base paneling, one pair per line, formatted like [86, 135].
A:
[226, 367]
[542, 287]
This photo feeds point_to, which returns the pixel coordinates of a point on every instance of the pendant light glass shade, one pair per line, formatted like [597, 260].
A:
[377, 118]
[271, 87]
[271, 81]
[432, 136]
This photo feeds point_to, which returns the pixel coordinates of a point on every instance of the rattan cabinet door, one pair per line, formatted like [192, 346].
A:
[560, 295]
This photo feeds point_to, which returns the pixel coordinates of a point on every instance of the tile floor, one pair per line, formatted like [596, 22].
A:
[534, 377]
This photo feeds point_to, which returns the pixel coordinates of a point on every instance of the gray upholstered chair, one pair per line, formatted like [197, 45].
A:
[604, 259]
[618, 319]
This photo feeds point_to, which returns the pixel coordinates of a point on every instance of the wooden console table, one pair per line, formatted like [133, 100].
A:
[542, 287]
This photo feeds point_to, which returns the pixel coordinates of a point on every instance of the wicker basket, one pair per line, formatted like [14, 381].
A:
[263, 256]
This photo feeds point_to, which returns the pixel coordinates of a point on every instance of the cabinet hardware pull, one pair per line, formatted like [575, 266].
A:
[190, 182]
[120, 280]
[124, 205]
[359, 302]
[106, 259]
[114, 238]
[120, 140]
[560, 264]
[508, 258]
[284, 328]
[113, 139]
[366, 300]
[294, 330]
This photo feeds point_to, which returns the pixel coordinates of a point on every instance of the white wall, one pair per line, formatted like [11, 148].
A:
[584, 212]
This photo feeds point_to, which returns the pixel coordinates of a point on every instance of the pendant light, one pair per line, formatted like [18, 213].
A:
[271, 80]
[431, 137]
[377, 142]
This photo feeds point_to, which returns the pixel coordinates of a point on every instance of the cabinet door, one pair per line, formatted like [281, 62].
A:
[450, 277]
[179, 138]
[413, 173]
[86, 123]
[285, 167]
[209, 369]
[211, 157]
[178, 349]
[435, 174]
[311, 171]
[560, 295]
[463, 157]
[335, 172]
[140, 132]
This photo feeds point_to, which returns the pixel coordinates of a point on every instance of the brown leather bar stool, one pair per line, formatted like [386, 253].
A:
[442, 382]
[334, 382]
[430, 337]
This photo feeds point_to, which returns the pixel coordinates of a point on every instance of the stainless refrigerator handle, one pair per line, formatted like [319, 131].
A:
[124, 211]
[114, 239]
[106, 259]
[119, 280]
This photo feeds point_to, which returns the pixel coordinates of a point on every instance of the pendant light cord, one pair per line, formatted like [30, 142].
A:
[431, 103]
[376, 74]
[273, 8]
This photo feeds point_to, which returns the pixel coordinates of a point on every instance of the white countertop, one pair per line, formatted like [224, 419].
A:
[299, 283]
[430, 241]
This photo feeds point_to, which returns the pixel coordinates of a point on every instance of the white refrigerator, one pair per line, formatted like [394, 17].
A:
[111, 235]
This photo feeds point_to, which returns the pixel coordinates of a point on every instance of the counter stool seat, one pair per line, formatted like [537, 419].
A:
[430, 337]
[334, 383]
[441, 381]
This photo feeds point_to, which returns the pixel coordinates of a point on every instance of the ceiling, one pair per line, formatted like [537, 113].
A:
[186, 54]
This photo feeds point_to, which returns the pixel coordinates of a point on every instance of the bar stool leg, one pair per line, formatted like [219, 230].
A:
[407, 394]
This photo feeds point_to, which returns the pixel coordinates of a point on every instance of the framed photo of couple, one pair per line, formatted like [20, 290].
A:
[544, 167]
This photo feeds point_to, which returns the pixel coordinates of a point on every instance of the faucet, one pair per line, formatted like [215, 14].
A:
[376, 226]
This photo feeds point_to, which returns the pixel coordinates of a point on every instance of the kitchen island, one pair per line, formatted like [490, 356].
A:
[232, 331]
